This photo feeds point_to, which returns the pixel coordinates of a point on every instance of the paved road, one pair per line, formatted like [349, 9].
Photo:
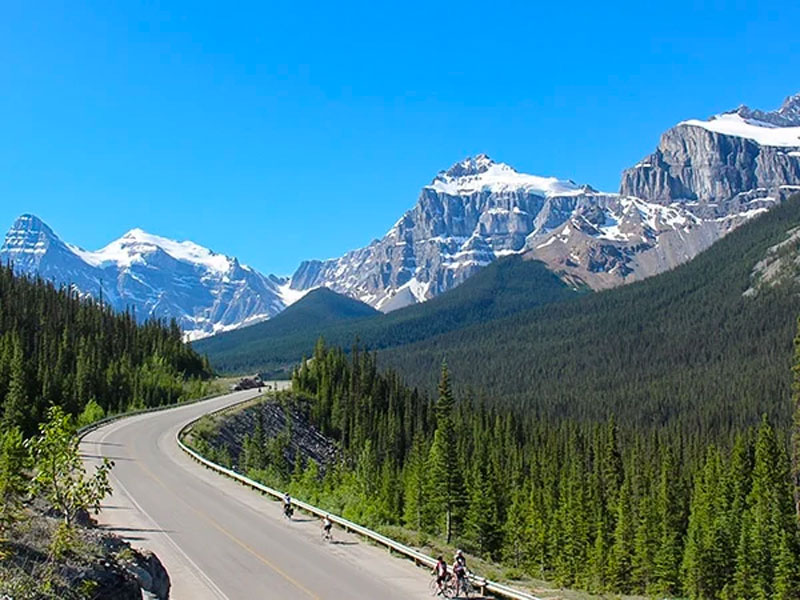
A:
[221, 540]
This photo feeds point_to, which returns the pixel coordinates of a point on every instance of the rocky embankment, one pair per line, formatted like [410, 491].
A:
[89, 563]
[285, 419]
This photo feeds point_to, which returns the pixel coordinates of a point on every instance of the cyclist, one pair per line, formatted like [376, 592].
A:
[440, 570]
[460, 570]
[287, 505]
[327, 525]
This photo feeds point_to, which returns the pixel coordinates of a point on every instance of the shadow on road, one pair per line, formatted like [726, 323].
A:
[124, 530]
[99, 456]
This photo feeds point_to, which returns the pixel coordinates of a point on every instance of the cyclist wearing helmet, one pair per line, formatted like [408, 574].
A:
[440, 570]
[327, 524]
[460, 568]
[287, 505]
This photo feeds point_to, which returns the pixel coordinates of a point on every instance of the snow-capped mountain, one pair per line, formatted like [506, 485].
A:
[720, 165]
[705, 179]
[153, 276]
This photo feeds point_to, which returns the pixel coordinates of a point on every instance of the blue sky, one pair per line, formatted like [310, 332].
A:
[282, 131]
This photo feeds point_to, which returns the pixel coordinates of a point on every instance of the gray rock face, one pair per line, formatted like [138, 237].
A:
[710, 163]
[788, 115]
[152, 276]
[780, 264]
[479, 210]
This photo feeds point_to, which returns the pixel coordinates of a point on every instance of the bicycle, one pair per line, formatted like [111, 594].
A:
[464, 588]
[448, 589]
[326, 535]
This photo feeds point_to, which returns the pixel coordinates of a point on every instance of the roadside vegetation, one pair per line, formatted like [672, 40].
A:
[58, 349]
[673, 510]
[45, 494]
[67, 361]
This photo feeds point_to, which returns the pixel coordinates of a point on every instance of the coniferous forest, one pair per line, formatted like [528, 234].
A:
[58, 349]
[677, 510]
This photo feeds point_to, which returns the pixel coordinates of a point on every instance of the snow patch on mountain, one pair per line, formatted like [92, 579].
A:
[155, 277]
[136, 244]
[482, 174]
[763, 133]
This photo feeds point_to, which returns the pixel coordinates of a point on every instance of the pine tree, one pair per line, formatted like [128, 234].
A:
[445, 483]
[16, 404]
[769, 518]
[624, 534]
[795, 439]
[482, 520]
[670, 527]
[414, 485]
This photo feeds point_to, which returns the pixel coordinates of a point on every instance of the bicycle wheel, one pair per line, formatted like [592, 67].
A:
[433, 587]
[449, 589]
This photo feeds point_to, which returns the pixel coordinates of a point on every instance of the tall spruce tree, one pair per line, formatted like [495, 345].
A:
[16, 404]
[445, 481]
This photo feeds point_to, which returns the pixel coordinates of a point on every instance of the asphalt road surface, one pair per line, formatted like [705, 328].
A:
[221, 540]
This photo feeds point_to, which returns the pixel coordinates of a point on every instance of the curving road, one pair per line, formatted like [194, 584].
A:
[221, 540]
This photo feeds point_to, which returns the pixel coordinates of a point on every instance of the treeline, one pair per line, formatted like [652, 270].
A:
[687, 341]
[58, 349]
[507, 286]
[670, 510]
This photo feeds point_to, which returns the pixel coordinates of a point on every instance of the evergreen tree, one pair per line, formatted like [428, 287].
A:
[445, 483]
[482, 520]
[670, 528]
[415, 485]
[16, 404]
[795, 432]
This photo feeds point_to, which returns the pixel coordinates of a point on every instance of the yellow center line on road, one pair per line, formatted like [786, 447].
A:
[232, 537]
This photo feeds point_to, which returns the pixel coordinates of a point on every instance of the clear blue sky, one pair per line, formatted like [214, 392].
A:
[281, 131]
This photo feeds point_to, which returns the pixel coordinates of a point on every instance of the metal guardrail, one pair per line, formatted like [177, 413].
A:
[82, 431]
[419, 558]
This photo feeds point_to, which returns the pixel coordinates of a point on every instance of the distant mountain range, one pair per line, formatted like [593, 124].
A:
[704, 180]
[153, 276]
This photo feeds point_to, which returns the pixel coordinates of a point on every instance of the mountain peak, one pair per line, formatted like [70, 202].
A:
[481, 174]
[472, 165]
[788, 115]
[28, 235]
[31, 223]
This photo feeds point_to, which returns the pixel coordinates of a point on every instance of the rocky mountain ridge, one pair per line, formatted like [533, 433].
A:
[704, 179]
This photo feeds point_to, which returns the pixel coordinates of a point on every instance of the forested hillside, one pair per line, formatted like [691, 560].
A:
[503, 288]
[668, 511]
[57, 349]
[686, 342]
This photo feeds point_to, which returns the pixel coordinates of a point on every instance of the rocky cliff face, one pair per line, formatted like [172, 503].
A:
[469, 215]
[479, 210]
[746, 157]
[153, 276]
[704, 179]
